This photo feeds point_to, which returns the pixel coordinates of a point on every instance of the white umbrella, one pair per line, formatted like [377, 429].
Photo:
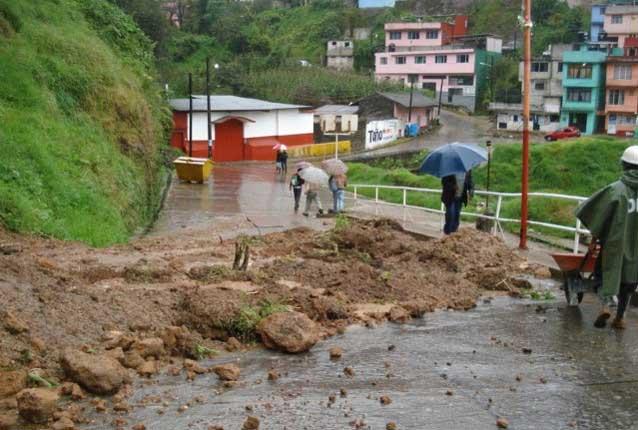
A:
[334, 166]
[314, 175]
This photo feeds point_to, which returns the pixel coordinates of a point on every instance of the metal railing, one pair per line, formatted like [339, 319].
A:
[577, 229]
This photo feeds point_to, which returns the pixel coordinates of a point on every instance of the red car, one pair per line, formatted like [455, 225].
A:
[563, 134]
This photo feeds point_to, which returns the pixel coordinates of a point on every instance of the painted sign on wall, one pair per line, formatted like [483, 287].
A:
[379, 133]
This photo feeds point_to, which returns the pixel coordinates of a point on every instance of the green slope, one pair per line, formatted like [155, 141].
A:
[83, 123]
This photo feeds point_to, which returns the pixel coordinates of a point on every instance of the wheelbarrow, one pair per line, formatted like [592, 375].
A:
[579, 274]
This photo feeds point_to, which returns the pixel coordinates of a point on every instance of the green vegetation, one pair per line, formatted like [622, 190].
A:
[244, 324]
[201, 352]
[574, 167]
[82, 121]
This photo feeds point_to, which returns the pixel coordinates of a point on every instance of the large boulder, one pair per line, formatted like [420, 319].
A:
[291, 332]
[37, 405]
[227, 372]
[12, 382]
[99, 374]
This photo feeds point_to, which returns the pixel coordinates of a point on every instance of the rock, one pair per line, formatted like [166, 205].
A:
[391, 347]
[72, 390]
[349, 371]
[291, 332]
[150, 347]
[37, 344]
[343, 392]
[148, 368]
[121, 406]
[13, 324]
[273, 375]
[335, 352]
[116, 353]
[177, 340]
[8, 421]
[215, 427]
[233, 344]
[195, 367]
[391, 426]
[526, 350]
[399, 314]
[64, 423]
[132, 359]
[100, 406]
[36, 405]
[119, 422]
[139, 426]
[251, 423]
[449, 393]
[10, 248]
[502, 423]
[227, 372]
[99, 374]
[8, 404]
[385, 400]
[11, 382]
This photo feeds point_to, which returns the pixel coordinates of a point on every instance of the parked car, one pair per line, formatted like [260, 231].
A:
[563, 133]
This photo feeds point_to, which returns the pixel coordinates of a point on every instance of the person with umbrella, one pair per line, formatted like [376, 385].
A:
[453, 163]
[313, 178]
[296, 185]
[337, 182]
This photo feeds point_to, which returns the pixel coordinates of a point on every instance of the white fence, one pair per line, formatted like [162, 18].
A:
[577, 229]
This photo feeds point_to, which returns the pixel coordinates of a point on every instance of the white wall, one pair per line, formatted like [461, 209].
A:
[271, 123]
[382, 132]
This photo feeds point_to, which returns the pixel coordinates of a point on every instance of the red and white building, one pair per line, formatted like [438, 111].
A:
[241, 128]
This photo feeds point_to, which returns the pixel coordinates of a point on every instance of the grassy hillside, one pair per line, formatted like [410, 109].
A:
[82, 121]
[575, 167]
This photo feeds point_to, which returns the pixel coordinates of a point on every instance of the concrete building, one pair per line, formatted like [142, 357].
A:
[622, 89]
[340, 54]
[597, 22]
[583, 89]
[620, 22]
[337, 111]
[242, 128]
[545, 97]
[440, 57]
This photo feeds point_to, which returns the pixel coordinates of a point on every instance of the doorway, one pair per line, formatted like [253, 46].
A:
[229, 140]
[578, 120]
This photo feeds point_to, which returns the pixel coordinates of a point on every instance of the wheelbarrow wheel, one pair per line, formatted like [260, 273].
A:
[579, 296]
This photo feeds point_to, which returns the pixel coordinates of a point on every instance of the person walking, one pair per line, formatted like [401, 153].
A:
[312, 196]
[611, 215]
[338, 184]
[283, 158]
[296, 185]
[278, 163]
[458, 189]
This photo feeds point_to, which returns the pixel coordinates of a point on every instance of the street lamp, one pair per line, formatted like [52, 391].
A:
[210, 132]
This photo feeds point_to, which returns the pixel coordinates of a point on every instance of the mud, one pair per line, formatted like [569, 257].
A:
[68, 295]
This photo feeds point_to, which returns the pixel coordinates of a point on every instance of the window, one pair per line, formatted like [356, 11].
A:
[399, 60]
[579, 95]
[622, 72]
[616, 19]
[419, 59]
[539, 85]
[616, 97]
[540, 67]
[560, 67]
[334, 43]
[383, 60]
[554, 118]
[463, 58]
[515, 118]
[603, 10]
[626, 119]
[347, 44]
[413, 35]
[462, 81]
[502, 125]
[432, 34]
[579, 71]
[395, 35]
[439, 59]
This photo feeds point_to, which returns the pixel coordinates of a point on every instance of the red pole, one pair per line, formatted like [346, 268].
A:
[527, 57]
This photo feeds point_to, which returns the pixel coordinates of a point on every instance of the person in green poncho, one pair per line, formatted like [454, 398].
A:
[611, 215]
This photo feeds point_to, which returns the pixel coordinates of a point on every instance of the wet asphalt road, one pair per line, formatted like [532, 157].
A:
[576, 376]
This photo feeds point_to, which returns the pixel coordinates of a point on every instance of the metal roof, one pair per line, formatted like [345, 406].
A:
[229, 104]
[336, 110]
[418, 99]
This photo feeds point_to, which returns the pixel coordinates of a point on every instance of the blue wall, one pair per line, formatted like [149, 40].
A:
[597, 21]
[376, 3]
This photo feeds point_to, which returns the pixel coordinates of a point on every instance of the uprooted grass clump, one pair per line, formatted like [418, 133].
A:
[243, 325]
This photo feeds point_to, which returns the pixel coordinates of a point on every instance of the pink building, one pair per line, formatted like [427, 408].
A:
[621, 22]
[439, 57]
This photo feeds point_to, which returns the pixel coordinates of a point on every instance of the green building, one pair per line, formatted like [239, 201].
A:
[583, 89]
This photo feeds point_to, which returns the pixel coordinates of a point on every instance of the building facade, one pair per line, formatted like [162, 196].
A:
[621, 105]
[620, 22]
[340, 54]
[369, 4]
[597, 22]
[242, 128]
[440, 57]
[583, 89]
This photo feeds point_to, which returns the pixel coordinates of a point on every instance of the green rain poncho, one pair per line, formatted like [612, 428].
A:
[611, 215]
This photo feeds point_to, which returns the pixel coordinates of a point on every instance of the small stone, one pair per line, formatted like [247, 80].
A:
[139, 426]
[391, 348]
[335, 352]
[64, 423]
[251, 423]
[37, 405]
[215, 427]
[518, 378]
[273, 375]
[391, 426]
[332, 398]
[148, 368]
[150, 347]
[233, 344]
[100, 406]
[502, 423]
[182, 408]
[349, 371]
[121, 406]
[526, 350]
[119, 422]
[449, 393]
[227, 372]
[195, 367]
[385, 400]
[343, 392]
[543, 380]
[13, 324]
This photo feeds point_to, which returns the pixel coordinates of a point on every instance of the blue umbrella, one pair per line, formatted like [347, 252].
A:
[453, 158]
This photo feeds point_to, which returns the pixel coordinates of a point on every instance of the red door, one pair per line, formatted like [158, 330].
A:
[229, 141]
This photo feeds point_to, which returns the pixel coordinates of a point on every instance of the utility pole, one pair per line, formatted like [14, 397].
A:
[190, 114]
[440, 96]
[210, 134]
[527, 57]
[411, 94]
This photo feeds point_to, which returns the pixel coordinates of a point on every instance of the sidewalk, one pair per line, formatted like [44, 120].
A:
[431, 224]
